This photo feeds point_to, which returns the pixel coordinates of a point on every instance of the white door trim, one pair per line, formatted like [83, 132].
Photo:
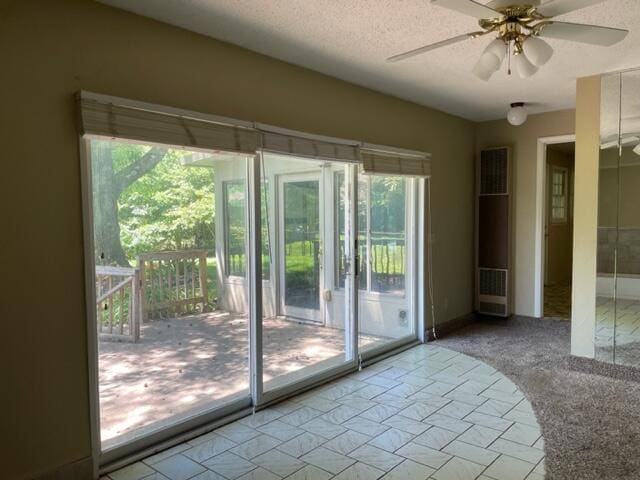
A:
[540, 249]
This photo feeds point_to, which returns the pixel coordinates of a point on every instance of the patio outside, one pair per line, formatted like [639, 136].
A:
[181, 366]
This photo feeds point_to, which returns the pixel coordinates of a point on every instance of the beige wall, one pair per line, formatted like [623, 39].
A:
[524, 141]
[50, 50]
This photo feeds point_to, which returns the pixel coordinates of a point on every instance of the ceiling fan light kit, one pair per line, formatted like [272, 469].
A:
[518, 26]
[537, 50]
[524, 67]
[481, 70]
[498, 48]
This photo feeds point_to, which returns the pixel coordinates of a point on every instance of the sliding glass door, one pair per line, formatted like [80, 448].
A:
[169, 230]
[222, 280]
[310, 332]
[387, 284]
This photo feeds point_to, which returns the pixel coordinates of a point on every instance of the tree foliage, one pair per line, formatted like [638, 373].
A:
[163, 205]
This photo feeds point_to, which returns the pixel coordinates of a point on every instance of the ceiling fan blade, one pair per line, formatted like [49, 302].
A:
[468, 7]
[433, 46]
[577, 32]
[559, 7]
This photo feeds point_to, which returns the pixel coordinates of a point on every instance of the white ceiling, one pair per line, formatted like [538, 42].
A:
[351, 39]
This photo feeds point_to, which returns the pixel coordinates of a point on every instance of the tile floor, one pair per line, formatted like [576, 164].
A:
[426, 413]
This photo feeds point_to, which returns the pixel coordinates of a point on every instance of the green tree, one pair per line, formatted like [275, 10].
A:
[146, 199]
[108, 184]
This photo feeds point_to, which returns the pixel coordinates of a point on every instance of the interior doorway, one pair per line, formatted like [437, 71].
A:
[558, 230]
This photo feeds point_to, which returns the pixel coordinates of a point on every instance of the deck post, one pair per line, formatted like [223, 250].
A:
[204, 287]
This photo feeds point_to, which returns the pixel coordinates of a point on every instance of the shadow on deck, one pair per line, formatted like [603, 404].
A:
[184, 365]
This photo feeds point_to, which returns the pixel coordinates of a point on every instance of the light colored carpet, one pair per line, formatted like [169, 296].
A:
[589, 411]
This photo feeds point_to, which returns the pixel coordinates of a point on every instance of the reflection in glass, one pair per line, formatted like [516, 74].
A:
[301, 210]
[235, 228]
[362, 231]
[618, 282]
[264, 230]
[387, 234]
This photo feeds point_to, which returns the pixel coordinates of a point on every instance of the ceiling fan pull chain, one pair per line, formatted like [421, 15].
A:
[509, 57]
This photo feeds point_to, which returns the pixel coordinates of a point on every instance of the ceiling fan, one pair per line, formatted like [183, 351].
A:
[519, 27]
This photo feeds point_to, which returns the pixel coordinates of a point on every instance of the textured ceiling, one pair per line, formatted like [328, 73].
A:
[351, 39]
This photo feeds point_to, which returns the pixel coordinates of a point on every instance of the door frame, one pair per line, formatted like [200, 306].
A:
[541, 204]
[299, 313]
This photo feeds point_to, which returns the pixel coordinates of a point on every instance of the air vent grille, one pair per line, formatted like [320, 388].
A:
[493, 308]
[493, 172]
[493, 282]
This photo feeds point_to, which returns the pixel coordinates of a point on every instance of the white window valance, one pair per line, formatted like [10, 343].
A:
[109, 119]
[114, 117]
[380, 160]
[277, 140]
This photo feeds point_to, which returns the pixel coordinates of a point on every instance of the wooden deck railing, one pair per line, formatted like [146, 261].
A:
[173, 283]
[118, 303]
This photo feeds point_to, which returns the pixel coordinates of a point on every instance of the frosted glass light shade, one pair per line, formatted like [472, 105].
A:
[517, 115]
[537, 50]
[481, 72]
[498, 48]
[487, 65]
[524, 67]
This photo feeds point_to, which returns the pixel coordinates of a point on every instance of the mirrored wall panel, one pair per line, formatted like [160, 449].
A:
[618, 262]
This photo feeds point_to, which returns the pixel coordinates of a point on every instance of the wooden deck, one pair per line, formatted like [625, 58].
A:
[181, 365]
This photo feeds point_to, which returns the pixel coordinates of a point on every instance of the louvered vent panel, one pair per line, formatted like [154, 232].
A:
[493, 308]
[493, 233]
[493, 171]
[493, 282]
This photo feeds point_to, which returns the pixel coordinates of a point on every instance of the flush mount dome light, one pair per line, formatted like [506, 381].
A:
[517, 114]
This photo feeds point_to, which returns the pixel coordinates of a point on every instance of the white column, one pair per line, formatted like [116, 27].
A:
[585, 233]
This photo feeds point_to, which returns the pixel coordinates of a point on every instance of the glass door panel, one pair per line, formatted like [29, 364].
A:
[169, 229]
[308, 332]
[607, 218]
[300, 246]
[387, 295]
